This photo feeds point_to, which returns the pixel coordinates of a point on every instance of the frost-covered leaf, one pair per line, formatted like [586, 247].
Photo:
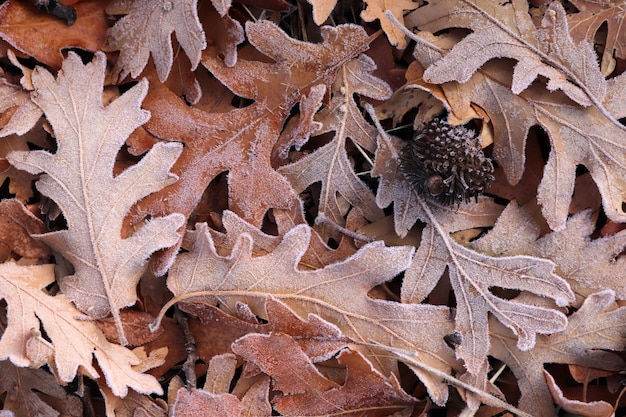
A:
[329, 164]
[587, 409]
[591, 136]
[76, 342]
[472, 276]
[337, 293]
[79, 178]
[506, 30]
[598, 326]
[306, 391]
[588, 264]
[217, 331]
[25, 113]
[147, 29]
[201, 403]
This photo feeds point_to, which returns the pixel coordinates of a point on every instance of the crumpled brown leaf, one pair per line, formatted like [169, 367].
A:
[79, 178]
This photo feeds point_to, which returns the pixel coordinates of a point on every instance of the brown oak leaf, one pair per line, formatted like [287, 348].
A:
[17, 225]
[216, 330]
[241, 141]
[585, 24]
[24, 114]
[329, 164]
[30, 392]
[24, 27]
[305, 391]
[79, 178]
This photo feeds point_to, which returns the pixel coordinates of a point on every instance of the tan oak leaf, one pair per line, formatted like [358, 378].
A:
[330, 164]
[79, 178]
[147, 29]
[589, 135]
[472, 276]
[75, 342]
[595, 329]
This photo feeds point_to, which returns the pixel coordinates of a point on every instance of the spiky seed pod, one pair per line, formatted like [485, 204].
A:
[446, 163]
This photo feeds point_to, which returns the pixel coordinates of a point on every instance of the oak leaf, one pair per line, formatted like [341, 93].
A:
[201, 403]
[472, 276]
[24, 27]
[21, 182]
[305, 391]
[588, 264]
[329, 164]
[24, 113]
[376, 9]
[75, 342]
[585, 24]
[216, 331]
[506, 30]
[147, 28]
[239, 277]
[89, 136]
[35, 392]
[596, 328]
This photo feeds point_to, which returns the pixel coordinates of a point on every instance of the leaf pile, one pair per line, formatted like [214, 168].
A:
[203, 211]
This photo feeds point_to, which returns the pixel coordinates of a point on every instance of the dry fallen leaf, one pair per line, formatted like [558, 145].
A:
[147, 29]
[29, 392]
[24, 27]
[76, 342]
[89, 135]
[329, 164]
[306, 391]
[596, 328]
